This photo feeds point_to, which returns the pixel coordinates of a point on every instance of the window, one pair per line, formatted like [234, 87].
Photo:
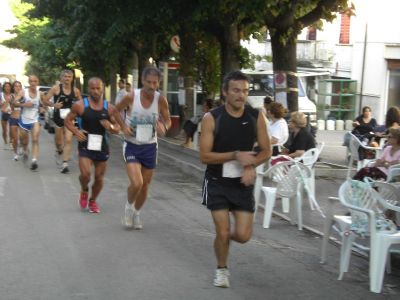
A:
[344, 37]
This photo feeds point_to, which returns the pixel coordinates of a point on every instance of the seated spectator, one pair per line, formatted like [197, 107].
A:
[365, 123]
[390, 156]
[190, 126]
[278, 127]
[300, 139]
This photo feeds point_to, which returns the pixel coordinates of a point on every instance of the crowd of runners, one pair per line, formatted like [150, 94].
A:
[227, 145]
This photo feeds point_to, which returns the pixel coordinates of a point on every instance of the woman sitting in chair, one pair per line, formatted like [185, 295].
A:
[278, 128]
[300, 139]
[390, 156]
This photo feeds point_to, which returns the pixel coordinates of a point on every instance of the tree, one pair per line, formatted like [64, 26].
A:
[285, 19]
[37, 37]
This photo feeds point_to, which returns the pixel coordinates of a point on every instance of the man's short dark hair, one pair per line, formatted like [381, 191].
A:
[121, 80]
[233, 76]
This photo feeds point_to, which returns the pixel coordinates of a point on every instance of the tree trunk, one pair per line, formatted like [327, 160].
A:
[186, 69]
[113, 87]
[230, 46]
[284, 61]
[135, 71]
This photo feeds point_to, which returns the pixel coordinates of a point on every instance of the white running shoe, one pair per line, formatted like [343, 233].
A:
[221, 278]
[64, 169]
[59, 158]
[137, 224]
[127, 219]
[16, 157]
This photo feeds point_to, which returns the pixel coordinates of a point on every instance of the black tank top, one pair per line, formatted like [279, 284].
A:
[66, 100]
[232, 134]
[89, 121]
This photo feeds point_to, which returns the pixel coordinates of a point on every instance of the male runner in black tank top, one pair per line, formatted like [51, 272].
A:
[228, 136]
[92, 147]
[64, 95]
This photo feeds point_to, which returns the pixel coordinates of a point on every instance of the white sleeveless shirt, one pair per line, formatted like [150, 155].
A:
[30, 115]
[142, 120]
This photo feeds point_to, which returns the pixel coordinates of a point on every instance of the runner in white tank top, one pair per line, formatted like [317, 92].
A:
[147, 119]
[142, 120]
[29, 121]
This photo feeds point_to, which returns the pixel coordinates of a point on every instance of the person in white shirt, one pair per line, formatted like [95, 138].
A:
[147, 118]
[278, 127]
[29, 120]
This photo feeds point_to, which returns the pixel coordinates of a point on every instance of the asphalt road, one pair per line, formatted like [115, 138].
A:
[51, 250]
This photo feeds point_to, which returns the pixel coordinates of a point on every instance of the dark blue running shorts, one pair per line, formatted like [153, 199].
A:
[146, 154]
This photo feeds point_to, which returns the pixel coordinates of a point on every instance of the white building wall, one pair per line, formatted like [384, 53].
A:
[382, 21]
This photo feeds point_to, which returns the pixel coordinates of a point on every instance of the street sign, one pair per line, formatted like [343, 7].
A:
[175, 43]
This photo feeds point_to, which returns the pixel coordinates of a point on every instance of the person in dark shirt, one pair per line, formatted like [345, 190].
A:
[365, 123]
[227, 140]
[96, 117]
[300, 139]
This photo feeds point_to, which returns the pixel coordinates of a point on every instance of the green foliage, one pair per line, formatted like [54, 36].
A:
[99, 37]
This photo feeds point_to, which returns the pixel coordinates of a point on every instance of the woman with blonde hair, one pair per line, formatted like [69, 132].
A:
[300, 139]
[390, 156]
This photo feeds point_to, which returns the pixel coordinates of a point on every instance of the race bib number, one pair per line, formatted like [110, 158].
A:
[144, 132]
[64, 112]
[94, 142]
[232, 169]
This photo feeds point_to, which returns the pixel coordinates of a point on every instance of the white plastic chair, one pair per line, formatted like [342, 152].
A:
[394, 171]
[389, 193]
[354, 146]
[367, 220]
[309, 158]
[288, 177]
[320, 146]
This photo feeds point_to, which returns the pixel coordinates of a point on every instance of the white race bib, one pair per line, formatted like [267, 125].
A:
[232, 169]
[64, 112]
[94, 142]
[144, 132]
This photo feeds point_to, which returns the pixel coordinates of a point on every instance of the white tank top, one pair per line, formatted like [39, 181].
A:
[142, 120]
[30, 115]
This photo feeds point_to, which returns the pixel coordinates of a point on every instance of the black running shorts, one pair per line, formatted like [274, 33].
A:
[217, 195]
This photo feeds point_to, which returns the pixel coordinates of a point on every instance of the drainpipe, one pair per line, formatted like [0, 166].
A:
[363, 67]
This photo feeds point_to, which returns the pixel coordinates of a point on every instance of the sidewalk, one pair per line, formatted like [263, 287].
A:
[171, 152]
[333, 152]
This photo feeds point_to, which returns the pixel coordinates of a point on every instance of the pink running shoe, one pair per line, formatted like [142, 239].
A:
[83, 200]
[93, 207]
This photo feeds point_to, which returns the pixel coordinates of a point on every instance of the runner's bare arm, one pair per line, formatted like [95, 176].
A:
[78, 94]
[164, 122]
[111, 125]
[123, 104]
[69, 121]
[46, 98]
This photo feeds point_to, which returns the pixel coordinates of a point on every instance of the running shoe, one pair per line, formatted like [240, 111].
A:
[83, 200]
[59, 157]
[20, 151]
[221, 278]
[64, 168]
[93, 207]
[25, 157]
[16, 157]
[137, 224]
[127, 219]
[34, 166]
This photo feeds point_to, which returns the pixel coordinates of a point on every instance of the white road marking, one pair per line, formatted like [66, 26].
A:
[2, 185]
